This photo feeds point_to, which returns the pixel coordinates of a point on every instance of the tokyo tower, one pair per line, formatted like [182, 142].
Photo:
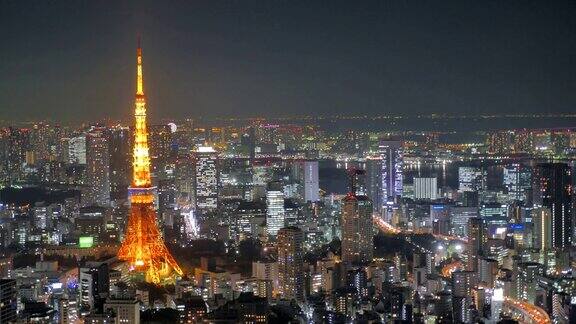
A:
[143, 247]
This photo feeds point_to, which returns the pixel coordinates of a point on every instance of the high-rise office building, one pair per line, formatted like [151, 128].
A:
[119, 153]
[306, 173]
[275, 213]
[97, 168]
[290, 263]
[526, 280]
[462, 284]
[517, 178]
[554, 191]
[160, 147]
[184, 175]
[357, 232]
[477, 237]
[8, 300]
[94, 280]
[374, 182]
[77, 150]
[392, 159]
[425, 188]
[207, 179]
[471, 179]
[542, 230]
[63, 311]
[18, 145]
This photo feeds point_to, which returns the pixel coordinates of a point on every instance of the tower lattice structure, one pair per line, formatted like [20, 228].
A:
[143, 247]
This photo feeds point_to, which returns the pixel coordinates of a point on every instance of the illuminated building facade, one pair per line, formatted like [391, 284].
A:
[275, 213]
[554, 191]
[542, 236]
[8, 300]
[357, 232]
[119, 148]
[291, 263]
[77, 150]
[471, 179]
[374, 181]
[143, 247]
[517, 179]
[306, 172]
[207, 179]
[392, 159]
[425, 188]
[97, 168]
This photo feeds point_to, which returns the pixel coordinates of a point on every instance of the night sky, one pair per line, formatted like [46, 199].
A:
[75, 60]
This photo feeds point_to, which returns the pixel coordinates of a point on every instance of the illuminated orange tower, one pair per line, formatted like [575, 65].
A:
[143, 247]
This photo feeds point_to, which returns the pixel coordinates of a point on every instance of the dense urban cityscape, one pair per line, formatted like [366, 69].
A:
[463, 214]
[284, 222]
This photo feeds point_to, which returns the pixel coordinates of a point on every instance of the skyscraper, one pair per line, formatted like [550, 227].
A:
[357, 231]
[290, 263]
[97, 168]
[160, 147]
[207, 179]
[517, 179]
[471, 179]
[306, 172]
[374, 181]
[94, 280]
[554, 190]
[275, 214]
[477, 237]
[392, 159]
[542, 235]
[77, 150]
[119, 152]
[462, 284]
[8, 300]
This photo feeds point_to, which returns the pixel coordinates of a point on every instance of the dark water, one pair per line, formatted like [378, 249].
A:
[334, 179]
[443, 124]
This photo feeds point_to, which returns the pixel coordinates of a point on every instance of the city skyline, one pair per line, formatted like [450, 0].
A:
[297, 162]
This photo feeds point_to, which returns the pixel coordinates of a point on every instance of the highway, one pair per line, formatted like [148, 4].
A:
[450, 267]
[525, 312]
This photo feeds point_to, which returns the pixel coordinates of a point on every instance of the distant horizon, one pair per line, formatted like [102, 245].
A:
[465, 124]
[76, 60]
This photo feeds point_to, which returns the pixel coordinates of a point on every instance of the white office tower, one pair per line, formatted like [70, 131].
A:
[306, 173]
[517, 179]
[392, 158]
[275, 213]
[471, 179]
[206, 178]
[77, 150]
[496, 304]
[425, 188]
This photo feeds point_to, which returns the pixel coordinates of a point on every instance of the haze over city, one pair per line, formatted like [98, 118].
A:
[68, 60]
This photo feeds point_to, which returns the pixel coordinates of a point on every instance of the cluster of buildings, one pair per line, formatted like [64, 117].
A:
[492, 243]
[274, 223]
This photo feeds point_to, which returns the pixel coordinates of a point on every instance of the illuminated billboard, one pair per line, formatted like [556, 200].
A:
[85, 241]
